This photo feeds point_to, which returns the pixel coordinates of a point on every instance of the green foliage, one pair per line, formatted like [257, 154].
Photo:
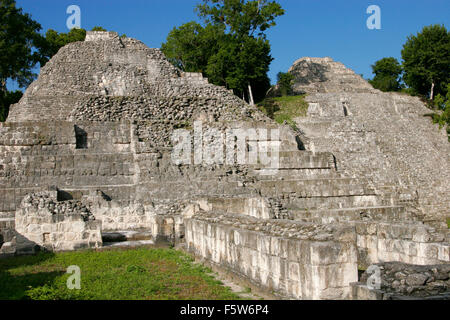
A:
[190, 46]
[6, 99]
[442, 117]
[54, 41]
[285, 82]
[230, 48]
[387, 75]
[104, 30]
[136, 274]
[49, 292]
[285, 109]
[238, 63]
[136, 269]
[241, 17]
[19, 38]
[426, 60]
[98, 29]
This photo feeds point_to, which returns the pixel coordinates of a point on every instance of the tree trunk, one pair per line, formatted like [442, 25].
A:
[432, 91]
[250, 95]
[3, 85]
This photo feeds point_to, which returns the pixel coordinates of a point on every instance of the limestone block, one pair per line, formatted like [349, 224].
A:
[444, 253]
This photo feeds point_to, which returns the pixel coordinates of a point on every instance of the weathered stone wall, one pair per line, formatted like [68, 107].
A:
[384, 137]
[325, 75]
[159, 218]
[292, 259]
[406, 242]
[399, 281]
[106, 78]
[55, 225]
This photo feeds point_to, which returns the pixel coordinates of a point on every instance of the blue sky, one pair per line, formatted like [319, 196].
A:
[316, 28]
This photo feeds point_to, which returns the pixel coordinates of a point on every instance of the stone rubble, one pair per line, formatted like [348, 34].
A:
[403, 280]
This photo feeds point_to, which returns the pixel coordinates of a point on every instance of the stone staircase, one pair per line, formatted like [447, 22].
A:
[127, 239]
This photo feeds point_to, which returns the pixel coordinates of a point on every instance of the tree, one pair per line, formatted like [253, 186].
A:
[19, 44]
[285, 82]
[19, 35]
[8, 98]
[53, 41]
[243, 18]
[230, 47]
[245, 22]
[426, 61]
[387, 75]
[190, 46]
[442, 117]
[98, 29]
[241, 66]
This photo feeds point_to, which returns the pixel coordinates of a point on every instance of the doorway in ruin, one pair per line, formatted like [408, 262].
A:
[81, 138]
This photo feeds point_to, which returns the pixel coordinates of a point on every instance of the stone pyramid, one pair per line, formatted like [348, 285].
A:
[87, 159]
[106, 78]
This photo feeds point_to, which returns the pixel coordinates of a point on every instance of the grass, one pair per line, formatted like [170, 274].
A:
[448, 223]
[135, 274]
[285, 109]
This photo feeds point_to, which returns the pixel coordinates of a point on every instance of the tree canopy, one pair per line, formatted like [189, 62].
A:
[54, 41]
[285, 80]
[19, 37]
[426, 61]
[190, 46]
[387, 74]
[240, 17]
[230, 47]
[23, 47]
[19, 52]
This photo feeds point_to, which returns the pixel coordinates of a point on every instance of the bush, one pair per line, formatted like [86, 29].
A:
[442, 117]
[285, 82]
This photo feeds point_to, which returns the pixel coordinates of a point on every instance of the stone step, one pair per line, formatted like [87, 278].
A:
[7, 223]
[306, 160]
[297, 174]
[326, 203]
[381, 213]
[323, 188]
[126, 236]
[7, 214]
[128, 244]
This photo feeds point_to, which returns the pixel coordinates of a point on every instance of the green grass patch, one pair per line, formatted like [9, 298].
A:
[448, 223]
[285, 109]
[136, 274]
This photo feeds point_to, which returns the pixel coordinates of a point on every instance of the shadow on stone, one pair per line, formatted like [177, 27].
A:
[81, 138]
[309, 72]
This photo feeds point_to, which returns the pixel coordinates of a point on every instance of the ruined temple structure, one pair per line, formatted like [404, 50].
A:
[86, 160]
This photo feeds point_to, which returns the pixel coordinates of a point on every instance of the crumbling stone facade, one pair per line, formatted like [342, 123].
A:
[382, 136]
[99, 123]
[44, 221]
[399, 281]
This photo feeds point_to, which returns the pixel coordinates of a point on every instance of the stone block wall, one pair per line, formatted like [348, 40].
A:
[295, 260]
[411, 243]
[385, 138]
[160, 218]
[55, 225]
